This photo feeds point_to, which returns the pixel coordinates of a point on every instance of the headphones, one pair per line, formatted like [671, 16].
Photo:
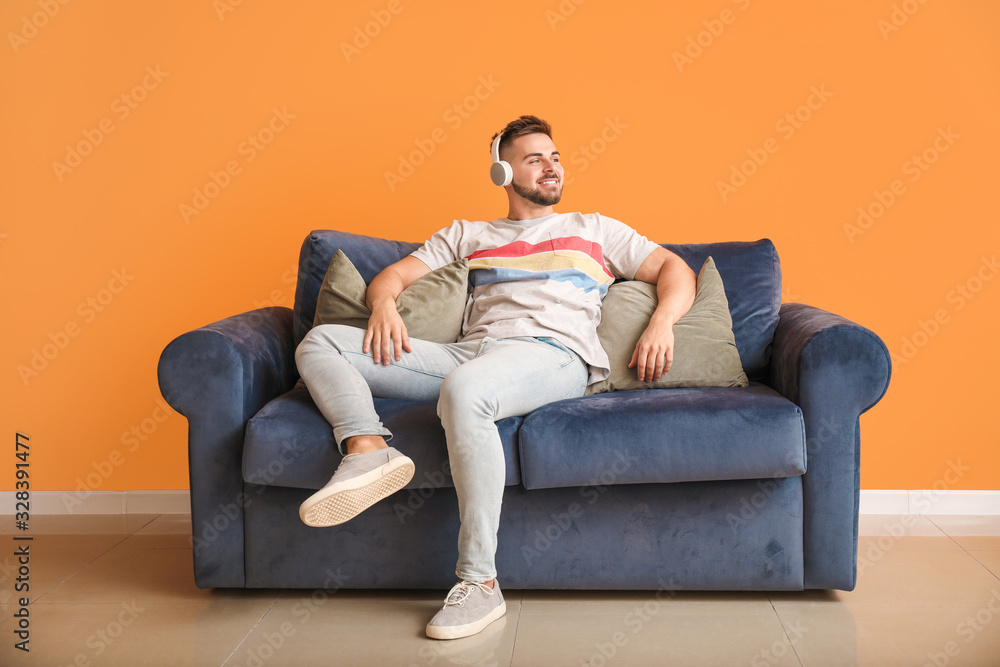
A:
[501, 173]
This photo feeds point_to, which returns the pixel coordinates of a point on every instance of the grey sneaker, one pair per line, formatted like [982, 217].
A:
[468, 609]
[360, 481]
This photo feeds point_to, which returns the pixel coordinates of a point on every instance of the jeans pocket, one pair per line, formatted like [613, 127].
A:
[554, 343]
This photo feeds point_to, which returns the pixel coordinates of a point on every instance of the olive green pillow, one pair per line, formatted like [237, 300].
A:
[432, 308]
[705, 353]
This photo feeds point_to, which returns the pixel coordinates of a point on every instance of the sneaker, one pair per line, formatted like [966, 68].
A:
[468, 609]
[360, 481]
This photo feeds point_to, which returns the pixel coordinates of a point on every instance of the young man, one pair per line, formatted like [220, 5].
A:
[529, 338]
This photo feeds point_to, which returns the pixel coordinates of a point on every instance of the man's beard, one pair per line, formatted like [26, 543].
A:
[537, 196]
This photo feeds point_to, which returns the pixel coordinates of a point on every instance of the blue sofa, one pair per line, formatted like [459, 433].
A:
[751, 488]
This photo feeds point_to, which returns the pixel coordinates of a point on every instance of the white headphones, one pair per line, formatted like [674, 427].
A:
[501, 173]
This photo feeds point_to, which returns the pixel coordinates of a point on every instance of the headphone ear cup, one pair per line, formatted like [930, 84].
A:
[501, 173]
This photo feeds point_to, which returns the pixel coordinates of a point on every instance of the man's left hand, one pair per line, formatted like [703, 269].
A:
[654, 353]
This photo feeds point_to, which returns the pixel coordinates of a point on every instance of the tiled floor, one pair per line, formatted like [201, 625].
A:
[119, 590]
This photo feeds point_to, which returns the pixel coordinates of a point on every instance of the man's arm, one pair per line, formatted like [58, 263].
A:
[386, 331]
[675, 287]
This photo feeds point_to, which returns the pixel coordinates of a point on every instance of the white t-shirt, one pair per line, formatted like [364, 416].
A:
[541, 277]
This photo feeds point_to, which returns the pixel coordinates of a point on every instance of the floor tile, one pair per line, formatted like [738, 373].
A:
[978, 542]
[621, 602]
[158, 541]
[76, 524]
[913, 578]
[204, 632]
[869, 547]
[48, 566]
[381, 627]
[833, 634]
[167, 524]
[123, 574]
[966, 526]
[928, 593]
[896, 525]
[989, 559]
[652, 633]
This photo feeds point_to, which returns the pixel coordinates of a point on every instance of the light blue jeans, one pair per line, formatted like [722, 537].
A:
[475, 383]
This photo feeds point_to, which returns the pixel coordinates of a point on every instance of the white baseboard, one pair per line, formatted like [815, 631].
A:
[179, 502]
[930, 502]
[102, 502]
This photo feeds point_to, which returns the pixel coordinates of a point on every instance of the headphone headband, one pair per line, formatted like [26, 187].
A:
[495, 150]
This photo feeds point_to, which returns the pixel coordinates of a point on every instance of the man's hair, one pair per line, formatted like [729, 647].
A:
[520, 127]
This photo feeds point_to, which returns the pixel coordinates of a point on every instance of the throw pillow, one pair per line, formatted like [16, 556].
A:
[432, 308]
[705, 353]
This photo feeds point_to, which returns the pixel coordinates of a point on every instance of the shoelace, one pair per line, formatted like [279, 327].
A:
[460, 591]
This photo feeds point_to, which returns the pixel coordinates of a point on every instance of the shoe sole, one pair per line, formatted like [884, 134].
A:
[459, 631]
[337, 503]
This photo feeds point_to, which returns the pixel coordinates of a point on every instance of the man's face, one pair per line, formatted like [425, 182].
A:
[538, 174]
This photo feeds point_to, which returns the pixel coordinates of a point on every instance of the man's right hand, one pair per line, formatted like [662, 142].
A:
[386, 334]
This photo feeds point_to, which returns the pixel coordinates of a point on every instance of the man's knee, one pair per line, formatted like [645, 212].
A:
[323, 339]
[462, 390]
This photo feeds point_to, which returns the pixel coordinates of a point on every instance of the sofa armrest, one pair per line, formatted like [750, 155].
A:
[834, 370]
[219, 376]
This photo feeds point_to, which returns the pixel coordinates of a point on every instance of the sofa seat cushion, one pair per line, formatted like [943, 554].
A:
[290, 443]
[663, 435]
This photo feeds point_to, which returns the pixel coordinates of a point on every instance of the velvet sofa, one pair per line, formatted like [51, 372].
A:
[742, 488]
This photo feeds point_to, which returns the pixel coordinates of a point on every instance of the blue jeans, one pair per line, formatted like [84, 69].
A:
[475, 384]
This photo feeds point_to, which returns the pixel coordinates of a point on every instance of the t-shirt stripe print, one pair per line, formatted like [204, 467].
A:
[570, 259]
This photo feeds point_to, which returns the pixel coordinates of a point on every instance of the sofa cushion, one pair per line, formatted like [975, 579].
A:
[432, 307]
[751, 273]
[368, 254]
[289, 443]
[663, 435]
[705, 353]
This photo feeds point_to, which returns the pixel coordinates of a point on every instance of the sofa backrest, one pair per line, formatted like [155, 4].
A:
[750, 271]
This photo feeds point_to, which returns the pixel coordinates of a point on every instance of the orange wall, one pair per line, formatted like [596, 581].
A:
[100, 268]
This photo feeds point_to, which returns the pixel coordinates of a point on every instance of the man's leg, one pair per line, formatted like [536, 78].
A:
[509, 377]
[342, 380]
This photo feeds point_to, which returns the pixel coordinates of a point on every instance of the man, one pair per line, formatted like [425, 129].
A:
[529, 338]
